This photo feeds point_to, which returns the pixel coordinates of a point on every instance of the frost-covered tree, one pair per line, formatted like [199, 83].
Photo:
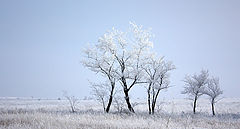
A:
[101, 62]
[157, 76]
[195, 85]
[213, 91]
[128, 51]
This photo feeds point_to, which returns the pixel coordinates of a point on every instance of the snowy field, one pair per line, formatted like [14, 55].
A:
[30, 113]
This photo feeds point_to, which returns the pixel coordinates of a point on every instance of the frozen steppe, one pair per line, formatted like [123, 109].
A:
[31, 113]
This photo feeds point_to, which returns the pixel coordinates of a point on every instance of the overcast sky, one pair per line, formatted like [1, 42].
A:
[41, 42]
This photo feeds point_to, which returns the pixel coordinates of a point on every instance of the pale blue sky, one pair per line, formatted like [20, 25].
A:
[41, 41]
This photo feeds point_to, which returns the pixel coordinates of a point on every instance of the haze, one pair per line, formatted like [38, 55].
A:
[41, 42]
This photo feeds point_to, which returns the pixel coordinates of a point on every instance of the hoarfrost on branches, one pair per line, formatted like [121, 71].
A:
[194, 86]
[157, 77]
[121, 56]
[213, 91]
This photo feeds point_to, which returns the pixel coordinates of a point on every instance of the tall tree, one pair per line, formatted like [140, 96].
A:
[126, 52]
[194, 86]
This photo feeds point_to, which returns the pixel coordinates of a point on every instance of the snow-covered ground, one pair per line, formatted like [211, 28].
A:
[54, 114]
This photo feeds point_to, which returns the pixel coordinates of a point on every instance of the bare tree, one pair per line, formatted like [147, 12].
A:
[194, 86]
[119, 103]
[213, 91]
[157, 76]
[100, 93]
[72, 101]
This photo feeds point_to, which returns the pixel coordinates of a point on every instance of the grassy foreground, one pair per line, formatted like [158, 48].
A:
[27, 116]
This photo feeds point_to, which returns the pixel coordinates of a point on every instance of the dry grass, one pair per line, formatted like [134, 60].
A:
[53, 114]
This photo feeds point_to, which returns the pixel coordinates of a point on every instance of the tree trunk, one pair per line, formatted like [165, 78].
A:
[128, 101]
[149, 99]
[213, 112]
[194, 105]
[109, 103]
[154, 101]
[103, 104]
[72, 109]
[110, 98]
[153, 107]
[154, 104]
[126, 90]
[155, 96]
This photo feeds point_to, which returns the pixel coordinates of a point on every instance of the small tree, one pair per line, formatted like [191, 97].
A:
[213, 91]
[72, 101]
[101, 92]
[194, 86]
[119, 103]
[157, 77]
